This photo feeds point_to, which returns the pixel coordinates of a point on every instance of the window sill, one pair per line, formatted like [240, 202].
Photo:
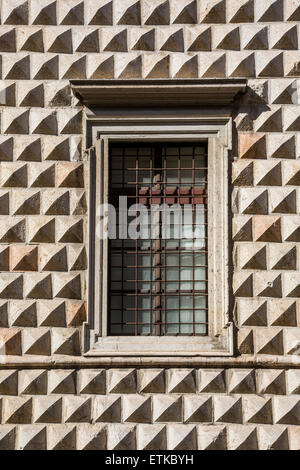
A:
[171, 346]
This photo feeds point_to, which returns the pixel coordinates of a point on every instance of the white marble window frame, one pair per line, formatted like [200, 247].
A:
[210, 125]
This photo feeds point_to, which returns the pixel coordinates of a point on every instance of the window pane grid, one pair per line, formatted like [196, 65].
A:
[158, 286]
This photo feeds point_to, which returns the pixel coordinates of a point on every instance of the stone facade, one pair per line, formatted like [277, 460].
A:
[50, 395]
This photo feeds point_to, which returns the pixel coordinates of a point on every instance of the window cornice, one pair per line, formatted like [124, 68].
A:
[178, 92]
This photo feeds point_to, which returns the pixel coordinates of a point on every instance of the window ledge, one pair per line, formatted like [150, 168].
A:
[186, 346]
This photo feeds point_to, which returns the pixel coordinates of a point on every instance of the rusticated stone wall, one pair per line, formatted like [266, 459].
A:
[49, 397]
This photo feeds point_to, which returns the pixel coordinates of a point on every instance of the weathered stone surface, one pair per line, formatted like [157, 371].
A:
[44, 210]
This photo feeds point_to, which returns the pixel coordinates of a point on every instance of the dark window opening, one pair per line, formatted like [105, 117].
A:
[158, 286]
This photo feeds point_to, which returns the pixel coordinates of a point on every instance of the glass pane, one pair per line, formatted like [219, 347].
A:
[144, 260]
[186, 274]
[186, 316]
[129, 260]
[200, 176]
[116, 329]
[172, 329]
[144, 302]
[117, 176]
[200, 274]
[187, 231]
[143, 244]
[128, 274]
[145, 150]
[129, 178]
[172, 274]
[200, 162]
[200, 286]
[144, 177]
[172, 286]
[172, 176]
[173, 317]
[129, 301]
[144, 317]
[116, 301]
[186, 161]
[144, 329]
[116, 285]
[200, 316]
[172, 162]
[199, 231]
[200, 259]
[128, 243]
[186, 301]
[200, 302]
[116, 243]
[116, 260]
[172, 260]
[186, 260]
[130, 152]
[117, 151]
[129, 317]
[145, 233]
[186, 176]
[143, 286]
[187, 244]
[200, 215]
[128, 329]
[117, 163]
[186, 329]
[172, 302]
[200, 329]
[144, 274]
[188, 216]
[116, 316]
[174, 151]
[186, 151]
[198, 244]
[116, 274]
[144, 162]
[172, 243]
